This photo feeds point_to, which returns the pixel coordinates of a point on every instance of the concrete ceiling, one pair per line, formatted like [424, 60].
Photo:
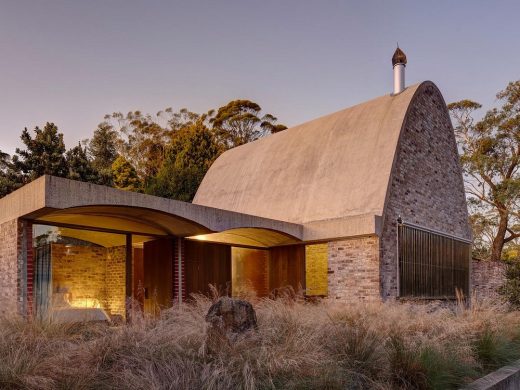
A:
[259, 238]
[124, 219]
[144, 222]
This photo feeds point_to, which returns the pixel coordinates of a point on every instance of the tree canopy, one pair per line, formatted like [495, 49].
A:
[240, 122]
[165, 154]
[124, 175]
[44, 154]
[80, 166]
[490, 157]
[190, 154]
[102, 150]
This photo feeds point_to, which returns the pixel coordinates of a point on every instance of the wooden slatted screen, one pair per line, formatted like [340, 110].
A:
[432, 265]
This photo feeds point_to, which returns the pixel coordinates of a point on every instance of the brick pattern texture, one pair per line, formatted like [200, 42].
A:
[9, 276]
[26, 254]
[486, 278]
[353, 269]
[115, 280]
[179, 242]
[91, 273]
[426, 186]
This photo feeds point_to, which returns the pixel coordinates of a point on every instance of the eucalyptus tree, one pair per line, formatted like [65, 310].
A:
[490, 157]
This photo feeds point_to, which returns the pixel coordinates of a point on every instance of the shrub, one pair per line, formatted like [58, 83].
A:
[511, 287]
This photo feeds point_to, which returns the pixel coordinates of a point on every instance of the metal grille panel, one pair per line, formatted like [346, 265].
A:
[431, 265]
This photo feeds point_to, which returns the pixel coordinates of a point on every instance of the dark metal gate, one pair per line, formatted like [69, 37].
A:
[432, 265]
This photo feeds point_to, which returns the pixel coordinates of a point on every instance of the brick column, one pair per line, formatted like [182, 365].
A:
[25, 268]
[29, 268]
[353, 269]
[179, 269]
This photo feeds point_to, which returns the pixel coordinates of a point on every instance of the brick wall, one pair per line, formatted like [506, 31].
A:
[27, 254]
[115, 279]
[9, 246]
[25, 267]
[91, 273]
[426, 186]
[353, 269]
[486, 278]
[80, 269]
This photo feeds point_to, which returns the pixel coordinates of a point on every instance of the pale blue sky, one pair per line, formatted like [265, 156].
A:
[71, 62]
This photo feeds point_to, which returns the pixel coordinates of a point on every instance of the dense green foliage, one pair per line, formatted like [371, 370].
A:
[239, 122]
[187, 159]
[103, 151]
[44, 154]
[80, 166]
[166, 154]
[124, 175]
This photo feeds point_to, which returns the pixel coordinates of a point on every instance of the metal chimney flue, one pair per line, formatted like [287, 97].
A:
[399, 64]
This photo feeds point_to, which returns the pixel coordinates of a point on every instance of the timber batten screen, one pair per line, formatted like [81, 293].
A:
[431, 265]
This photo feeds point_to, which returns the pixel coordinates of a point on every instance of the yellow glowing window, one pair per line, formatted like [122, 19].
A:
[316, 263]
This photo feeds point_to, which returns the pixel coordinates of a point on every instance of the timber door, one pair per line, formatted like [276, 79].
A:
[287, 267]
[206, 264]
[158, 274]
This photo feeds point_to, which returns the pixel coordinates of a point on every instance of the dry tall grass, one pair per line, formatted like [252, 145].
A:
[298, 345]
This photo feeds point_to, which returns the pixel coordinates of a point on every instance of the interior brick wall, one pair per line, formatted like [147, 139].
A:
[115, 279]
[9, 246]
[91, 272]
[80, 269]
[353, 269]
[486, 278]
[426, 186]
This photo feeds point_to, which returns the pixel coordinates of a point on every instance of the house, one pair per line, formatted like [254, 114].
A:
[363, 204]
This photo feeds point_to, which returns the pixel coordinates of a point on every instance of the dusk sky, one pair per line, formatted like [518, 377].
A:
[72, 62]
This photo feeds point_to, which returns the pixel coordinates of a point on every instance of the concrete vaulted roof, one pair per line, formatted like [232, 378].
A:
[337, 166]
[324, 179]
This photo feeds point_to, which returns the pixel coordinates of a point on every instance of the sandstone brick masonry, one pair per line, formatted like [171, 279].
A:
[486, 278]
[8, 267]
[353, 269]
[115, 280]
[91, 273]
[426, 186]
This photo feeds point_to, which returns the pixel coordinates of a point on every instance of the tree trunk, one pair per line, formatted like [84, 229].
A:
[498, 241]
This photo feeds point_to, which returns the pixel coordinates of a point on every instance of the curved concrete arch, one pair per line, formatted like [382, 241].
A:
[67, 202]
[249, 237]
[428, 95]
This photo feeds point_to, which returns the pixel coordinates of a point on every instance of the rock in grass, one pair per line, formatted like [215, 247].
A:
[230, 319]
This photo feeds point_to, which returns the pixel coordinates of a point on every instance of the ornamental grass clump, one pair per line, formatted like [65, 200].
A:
[297, 345]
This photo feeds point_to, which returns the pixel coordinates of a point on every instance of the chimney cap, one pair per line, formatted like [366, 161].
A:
[399, 57]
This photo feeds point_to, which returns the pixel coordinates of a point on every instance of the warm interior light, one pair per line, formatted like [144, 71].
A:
[201, 237]
[85, 303]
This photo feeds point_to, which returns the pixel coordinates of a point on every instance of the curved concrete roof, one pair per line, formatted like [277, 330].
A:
[69, 203]
[332, 167]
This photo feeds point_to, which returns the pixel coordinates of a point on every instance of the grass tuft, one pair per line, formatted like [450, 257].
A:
[298, 345]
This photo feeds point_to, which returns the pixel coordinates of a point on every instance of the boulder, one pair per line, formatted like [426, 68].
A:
[230, 319]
